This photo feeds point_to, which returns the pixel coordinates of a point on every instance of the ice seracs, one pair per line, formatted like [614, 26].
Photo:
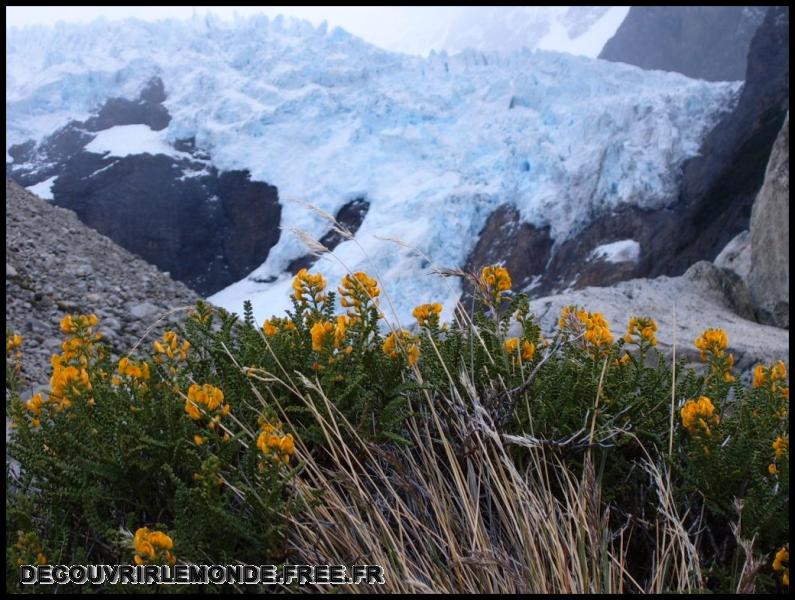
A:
[433, 144]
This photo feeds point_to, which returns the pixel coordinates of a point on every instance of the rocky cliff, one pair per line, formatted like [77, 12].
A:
[719, 186]
[56, 265]
[705, 42]
[768, 279]
[169, 205]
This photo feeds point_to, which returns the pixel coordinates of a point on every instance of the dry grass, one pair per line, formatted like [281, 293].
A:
[454, 513]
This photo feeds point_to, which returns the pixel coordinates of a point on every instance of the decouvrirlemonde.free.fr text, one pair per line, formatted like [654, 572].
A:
[202, 574]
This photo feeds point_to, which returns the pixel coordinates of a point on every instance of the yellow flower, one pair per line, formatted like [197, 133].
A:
[511, 344]
[192, 410]
[568, 318]
[357, 290]
[698, 415]
[67, 325]
[34, 404]
[641, 329]
[778, 372]
[427, 314]
[594, 328]
[413, 354]
[772, 469]
[274, 444]
[712, 341]
[134, 370]
[169, 347]
[401, 339]
[759, 376]
[771, 378]
[781, 446]
[782, 557]
[308, 286]
[161, 540]
[12, 342]
[68, 381]
[339, 330]
[198, 440]
[152, 545]
[495, 281]
[320, 331]
[73, 323]
[269, 328]
[210, 397]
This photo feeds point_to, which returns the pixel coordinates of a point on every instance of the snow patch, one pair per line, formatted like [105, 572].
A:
[589, 43]
[43, 189]
[617, 252]
[124, 140]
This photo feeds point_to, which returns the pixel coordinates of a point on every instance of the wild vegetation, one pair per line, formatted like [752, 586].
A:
[465, 455]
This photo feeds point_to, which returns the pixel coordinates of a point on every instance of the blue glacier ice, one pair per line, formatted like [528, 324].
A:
[434, 144]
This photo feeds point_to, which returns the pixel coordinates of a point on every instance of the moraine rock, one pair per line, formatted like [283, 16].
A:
[88, 278]
[143, 310]
[768, 279]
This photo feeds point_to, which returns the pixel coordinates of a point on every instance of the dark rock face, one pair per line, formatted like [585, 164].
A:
[205, 231]
[542, 267]
[206, 228]
[523, 248]
[350, 216]
[704, 42]
[720, 184]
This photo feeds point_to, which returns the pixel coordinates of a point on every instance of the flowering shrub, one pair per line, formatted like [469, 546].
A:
[202, 435]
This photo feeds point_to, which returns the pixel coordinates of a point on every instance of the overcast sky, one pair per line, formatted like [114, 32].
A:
[383, 25]
[412, 29]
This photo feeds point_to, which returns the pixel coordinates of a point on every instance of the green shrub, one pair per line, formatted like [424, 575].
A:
[200, 436]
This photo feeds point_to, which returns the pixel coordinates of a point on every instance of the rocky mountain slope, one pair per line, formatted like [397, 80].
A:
[579, 30]
[706, 42]
[169, 205]
[56, 265]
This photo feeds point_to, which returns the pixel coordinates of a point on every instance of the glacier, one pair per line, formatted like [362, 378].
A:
[433, 144]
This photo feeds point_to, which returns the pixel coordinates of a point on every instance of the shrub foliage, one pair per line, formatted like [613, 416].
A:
[189, 450]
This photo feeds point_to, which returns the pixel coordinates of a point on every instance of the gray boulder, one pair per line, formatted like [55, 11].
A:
[736, 256]
[704, 297]
[768, 279]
